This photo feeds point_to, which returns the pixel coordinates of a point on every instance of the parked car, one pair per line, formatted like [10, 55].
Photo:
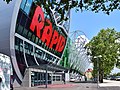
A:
[72, 79]
[117, 78]
[113, 78]
[75, 79]
[108, 78]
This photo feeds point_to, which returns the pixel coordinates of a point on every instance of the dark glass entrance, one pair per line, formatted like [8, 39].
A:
[38, 78]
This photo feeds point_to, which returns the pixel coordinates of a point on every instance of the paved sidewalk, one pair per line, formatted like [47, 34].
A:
[110, 83]
[70, 86]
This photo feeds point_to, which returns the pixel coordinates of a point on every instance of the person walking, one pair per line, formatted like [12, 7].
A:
[0, 83]
[63, 78]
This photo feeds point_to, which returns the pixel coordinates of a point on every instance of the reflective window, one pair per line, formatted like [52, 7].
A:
[39, 53]
[24, 21]
[16, 43]
[53, 78]
[36, 40]
[21, 45]
[57, 78]
[39, 42]
[22, 4]
[29, 35]
[29, 49]
[25, 31]
[28, 5]
[33, 38]
[25, 5]
[19, 29]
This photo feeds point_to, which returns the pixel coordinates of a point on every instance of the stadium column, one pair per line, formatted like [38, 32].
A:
[46, 76]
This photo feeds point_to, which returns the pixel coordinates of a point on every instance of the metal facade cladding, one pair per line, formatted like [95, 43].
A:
[5, 25]
[8, 19]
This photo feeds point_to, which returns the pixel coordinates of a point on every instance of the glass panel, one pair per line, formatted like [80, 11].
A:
[57, 78]
[27, 48]
[19, 16]
[36, 40]
[25, 31]
[20, 29]
[23, 20]
[20, 61]
[16, 28]
[43, 44]
[28, 5]
[21, 45]
[38, 76]
[32, 10]
[29, 35]
[53, 78]
[16, 43]
[32, 78]
[33, 38]
[39, 42]
[35, 79]
[27, 24]
[22, 4]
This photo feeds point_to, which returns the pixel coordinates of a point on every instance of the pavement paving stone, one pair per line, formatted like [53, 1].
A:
[70, 86]
[110, 83]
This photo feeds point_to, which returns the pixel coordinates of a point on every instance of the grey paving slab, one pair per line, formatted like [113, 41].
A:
[71, 86]
[110, 83]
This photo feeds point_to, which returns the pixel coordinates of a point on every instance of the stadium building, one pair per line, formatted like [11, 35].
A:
[35, 39]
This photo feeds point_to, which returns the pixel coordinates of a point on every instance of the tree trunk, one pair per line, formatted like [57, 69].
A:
[101, 76]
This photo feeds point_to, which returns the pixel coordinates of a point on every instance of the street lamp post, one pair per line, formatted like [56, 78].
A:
[98, 73]
[98, 69]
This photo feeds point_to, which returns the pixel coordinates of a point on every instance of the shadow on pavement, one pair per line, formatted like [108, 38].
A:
[84, 82]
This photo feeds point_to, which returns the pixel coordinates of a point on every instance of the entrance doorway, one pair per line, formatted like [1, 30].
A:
[38, 78]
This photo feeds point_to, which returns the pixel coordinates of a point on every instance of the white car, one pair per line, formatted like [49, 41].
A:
[72, 79]
[117, 78]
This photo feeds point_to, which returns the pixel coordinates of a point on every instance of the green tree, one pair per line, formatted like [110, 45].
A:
[103, 44]
[116, 74]
[118, 41]
[106, 6]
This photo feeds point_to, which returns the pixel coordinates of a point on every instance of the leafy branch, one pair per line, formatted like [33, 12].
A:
[96, 6]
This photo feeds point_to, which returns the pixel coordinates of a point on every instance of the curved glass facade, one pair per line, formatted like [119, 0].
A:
[35, 38]
[39, 38]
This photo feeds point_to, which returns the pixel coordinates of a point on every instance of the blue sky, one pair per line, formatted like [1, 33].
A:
[91, 23]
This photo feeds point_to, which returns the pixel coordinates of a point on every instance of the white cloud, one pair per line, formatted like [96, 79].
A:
[115, 70]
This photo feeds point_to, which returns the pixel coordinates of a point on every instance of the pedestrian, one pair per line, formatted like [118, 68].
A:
[63, 78]
[0, 83]
[85, 78]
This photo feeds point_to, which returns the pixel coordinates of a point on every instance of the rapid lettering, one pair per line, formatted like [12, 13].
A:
[45, 32]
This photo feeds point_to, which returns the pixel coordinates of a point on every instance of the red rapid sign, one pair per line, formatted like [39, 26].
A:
[51, 37]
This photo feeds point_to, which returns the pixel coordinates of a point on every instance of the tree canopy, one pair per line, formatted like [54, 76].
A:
[105, 6]
[118, 41]
[104, 44]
